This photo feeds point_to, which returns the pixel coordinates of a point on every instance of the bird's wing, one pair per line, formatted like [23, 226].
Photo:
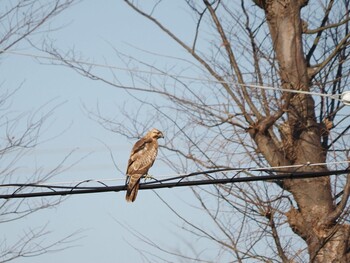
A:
[139, 146]
[142, 156]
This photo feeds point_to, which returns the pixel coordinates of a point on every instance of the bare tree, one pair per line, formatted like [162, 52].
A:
[21, 21]
[214, 118]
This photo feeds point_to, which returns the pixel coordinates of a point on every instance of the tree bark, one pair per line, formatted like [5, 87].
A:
[327, 241]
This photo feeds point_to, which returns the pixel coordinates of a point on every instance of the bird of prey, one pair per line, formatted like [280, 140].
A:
[141, 159]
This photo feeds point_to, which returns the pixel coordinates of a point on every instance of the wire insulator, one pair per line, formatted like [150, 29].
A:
[345, 98]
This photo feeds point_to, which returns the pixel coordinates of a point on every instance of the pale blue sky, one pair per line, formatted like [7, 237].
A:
[94, 29]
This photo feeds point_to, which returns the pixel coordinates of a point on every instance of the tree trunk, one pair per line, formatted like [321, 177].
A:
[327, 241]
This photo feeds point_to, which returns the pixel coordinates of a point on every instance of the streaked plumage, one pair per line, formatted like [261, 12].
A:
[141, 159]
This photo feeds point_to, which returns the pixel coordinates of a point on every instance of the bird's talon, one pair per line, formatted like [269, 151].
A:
[148, 176]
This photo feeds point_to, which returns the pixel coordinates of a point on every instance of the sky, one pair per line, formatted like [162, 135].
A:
[108, 229]
[105, 222]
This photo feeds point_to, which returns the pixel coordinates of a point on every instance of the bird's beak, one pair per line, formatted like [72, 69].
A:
[161, 135]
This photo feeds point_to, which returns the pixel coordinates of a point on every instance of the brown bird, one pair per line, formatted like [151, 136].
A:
[141, 159]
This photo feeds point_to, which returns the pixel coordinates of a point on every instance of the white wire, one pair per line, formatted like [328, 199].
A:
[73, 183]
[331, 96]
[300, 165]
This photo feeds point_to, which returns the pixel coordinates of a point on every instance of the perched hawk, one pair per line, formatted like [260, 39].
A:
[141, 159]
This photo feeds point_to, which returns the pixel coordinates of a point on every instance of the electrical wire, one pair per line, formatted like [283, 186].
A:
[171, 176]
[178, 181]
[344, 97]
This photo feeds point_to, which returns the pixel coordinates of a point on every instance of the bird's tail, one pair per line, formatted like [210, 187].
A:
[133, 187]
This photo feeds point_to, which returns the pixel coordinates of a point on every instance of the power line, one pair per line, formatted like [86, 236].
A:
[344, 97]
[178, 183]
[171, 176]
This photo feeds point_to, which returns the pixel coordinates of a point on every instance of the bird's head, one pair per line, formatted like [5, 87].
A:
[156, 134]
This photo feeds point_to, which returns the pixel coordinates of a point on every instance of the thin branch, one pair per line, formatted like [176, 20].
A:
[196, 56]
[270, 216]
[317, 39]
[333, 216]
[342, 44]
[232, 58]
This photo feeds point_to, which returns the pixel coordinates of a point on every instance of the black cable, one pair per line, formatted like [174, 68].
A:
[147, 186]
[49, 186]
[180, 178]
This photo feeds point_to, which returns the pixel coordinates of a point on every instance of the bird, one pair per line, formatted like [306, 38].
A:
[142, 157]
